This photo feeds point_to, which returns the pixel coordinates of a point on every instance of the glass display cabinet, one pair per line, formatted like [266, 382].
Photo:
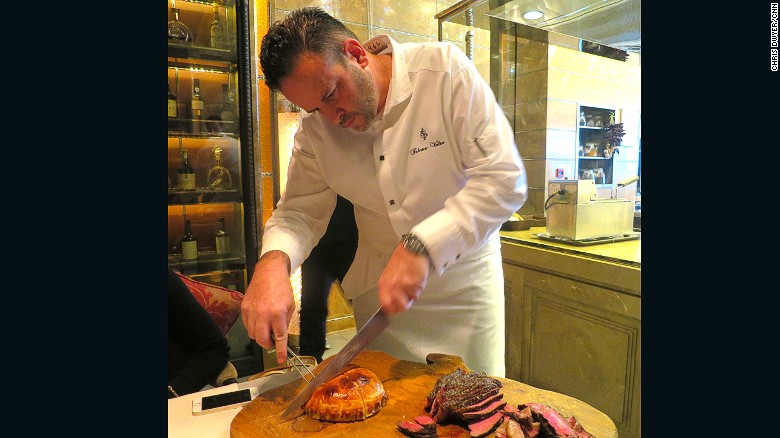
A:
[212, 217]
[593, 158]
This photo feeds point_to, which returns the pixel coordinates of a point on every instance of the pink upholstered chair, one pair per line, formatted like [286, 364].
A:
[224, 306]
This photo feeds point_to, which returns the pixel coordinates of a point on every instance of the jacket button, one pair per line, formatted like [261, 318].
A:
[392, 202]
[381, 158]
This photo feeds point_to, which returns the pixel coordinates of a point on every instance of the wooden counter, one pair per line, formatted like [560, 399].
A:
[573, 316]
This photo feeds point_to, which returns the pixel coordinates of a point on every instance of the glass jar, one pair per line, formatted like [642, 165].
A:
[586, 174]
[591, 149]
[598, 175]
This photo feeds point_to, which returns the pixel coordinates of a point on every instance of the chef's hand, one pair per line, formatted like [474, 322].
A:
[402, 280]
[268, 304]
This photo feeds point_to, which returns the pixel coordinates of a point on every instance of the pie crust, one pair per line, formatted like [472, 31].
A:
[353, 395]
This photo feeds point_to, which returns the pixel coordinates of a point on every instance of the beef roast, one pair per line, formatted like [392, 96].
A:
[459, 390]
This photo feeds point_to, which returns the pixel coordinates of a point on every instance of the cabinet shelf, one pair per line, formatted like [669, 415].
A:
[581, 157]
[209, 261]
[202, 196]
[182, 128]
[189, 51]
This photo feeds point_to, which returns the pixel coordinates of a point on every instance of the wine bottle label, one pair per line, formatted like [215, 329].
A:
[172, 108]
[189, 250]
[186, 181]
[197, 105]
[223, 245]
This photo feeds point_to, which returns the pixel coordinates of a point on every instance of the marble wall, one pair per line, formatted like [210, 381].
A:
[541, 85]
[538, 84]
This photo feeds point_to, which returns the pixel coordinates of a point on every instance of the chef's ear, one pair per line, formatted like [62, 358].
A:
[355, 50]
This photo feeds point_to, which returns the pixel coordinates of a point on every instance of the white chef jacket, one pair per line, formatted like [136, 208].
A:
[441, 162]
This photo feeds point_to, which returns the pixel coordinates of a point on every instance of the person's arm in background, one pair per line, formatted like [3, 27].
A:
[200, 350]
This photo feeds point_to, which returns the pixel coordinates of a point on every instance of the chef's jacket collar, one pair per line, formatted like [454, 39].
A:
[400, 86]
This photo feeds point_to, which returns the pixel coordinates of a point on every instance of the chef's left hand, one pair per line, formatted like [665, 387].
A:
[402, 280]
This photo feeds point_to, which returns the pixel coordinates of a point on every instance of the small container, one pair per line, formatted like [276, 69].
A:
[598, 175]
[586, 174]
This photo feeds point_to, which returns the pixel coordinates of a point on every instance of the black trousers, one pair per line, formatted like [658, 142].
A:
[325, 264]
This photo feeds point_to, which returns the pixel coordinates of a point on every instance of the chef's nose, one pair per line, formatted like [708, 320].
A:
[333, 114]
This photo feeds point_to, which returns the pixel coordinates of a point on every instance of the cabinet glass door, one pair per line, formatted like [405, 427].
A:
[207, 175]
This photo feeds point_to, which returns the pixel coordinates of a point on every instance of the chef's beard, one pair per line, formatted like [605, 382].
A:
[367, 100]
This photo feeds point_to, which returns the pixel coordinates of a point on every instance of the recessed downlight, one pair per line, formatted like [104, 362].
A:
[532, 15]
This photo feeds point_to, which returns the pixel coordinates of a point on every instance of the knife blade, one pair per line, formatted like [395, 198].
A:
[363, 337]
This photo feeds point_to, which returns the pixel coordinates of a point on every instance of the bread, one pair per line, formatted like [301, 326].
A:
[353, 395]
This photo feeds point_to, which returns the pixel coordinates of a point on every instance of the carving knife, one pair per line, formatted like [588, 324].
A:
[363, 337]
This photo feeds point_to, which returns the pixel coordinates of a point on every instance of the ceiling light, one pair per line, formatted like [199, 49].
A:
[532, 15]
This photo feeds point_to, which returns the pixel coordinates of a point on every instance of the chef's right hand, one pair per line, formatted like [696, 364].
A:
[268, 304]
[403, 280]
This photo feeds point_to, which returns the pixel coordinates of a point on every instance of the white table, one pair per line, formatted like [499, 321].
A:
[181, 422]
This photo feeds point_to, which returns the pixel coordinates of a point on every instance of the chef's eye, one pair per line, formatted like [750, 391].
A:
[331, 95]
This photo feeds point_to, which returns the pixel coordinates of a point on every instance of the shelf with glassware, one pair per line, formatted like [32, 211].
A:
[594, 159]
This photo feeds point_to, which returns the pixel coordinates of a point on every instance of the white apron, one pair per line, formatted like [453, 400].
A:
[459, 313]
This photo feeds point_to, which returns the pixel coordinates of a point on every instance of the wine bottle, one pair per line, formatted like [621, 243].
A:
[173, 108]
[223, 238]
[186, 173]
[227, 113]
[197, 107]
[216, 30]
[189, 245]
[177, 30]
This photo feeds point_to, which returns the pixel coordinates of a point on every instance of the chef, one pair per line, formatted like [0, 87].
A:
[413, 136]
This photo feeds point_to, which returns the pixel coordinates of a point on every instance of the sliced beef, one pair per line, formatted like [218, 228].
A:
[548, 416]
[581, 432]
[484, 412]
[521, 414]
[513, 429]
[426, 422]
[459, 390]
[533, 430]
[480, 404]
[500, 431]
[485, 427]
[416, 430]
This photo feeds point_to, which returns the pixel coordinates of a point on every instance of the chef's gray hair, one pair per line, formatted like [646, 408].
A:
[309, 29]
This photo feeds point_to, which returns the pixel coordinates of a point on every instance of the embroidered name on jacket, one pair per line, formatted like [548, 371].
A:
[432, 144]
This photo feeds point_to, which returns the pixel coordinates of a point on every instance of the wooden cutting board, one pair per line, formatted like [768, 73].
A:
[407, 385]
